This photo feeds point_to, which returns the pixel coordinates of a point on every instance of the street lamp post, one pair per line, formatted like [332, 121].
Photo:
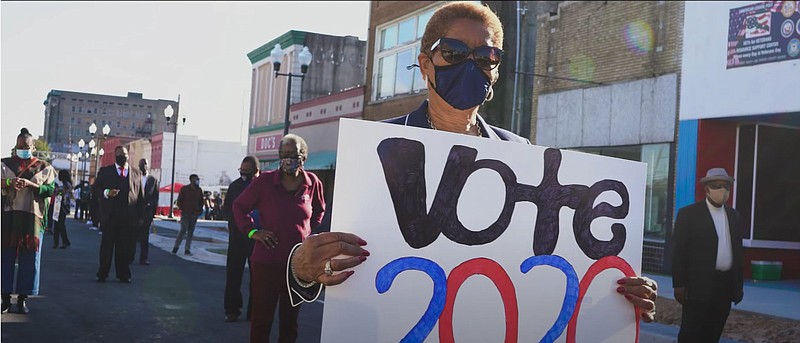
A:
[92, 131]
[99, 156]
[168, 114]
[69, 157]
[81, 144]
[304, 57]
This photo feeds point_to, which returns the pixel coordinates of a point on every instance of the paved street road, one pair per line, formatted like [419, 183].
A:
[172, 300]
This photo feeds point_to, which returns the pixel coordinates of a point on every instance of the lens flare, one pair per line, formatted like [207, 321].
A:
[639, 37]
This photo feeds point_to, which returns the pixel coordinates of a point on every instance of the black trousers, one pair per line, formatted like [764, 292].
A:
[239, 249]
[117, 244]
[143, 238]
[86, 211]
[60, 230]
[702, 320]
[94, 212]
[79, 209]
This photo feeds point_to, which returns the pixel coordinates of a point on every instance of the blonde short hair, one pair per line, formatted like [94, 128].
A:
[444, 16]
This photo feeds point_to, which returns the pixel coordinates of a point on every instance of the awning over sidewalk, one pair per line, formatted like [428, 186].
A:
[319, 160]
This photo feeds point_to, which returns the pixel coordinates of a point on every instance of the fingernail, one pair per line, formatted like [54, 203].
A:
[362, 258]
[365, 253]
[362, 242]
[621, 281]
[351, 273]
[620, 289]
[628, 296]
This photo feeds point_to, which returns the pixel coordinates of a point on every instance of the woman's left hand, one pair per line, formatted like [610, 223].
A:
[641, 292]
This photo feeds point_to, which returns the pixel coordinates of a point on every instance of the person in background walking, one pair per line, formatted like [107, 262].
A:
[93, 204]
[218, 215]
[78, 201]
[150, 185]
[208, 207]
[239, 246]
[27, 184]
[86, 197]
[64, 189]
[190, 201]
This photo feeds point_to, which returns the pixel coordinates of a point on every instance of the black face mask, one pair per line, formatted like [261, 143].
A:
[122, 159]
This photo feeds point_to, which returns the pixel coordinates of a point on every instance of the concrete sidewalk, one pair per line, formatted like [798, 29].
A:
[774, 298]
[209, 245]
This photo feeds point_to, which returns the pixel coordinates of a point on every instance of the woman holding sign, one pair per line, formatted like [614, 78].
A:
[27, 186]
[459, 55]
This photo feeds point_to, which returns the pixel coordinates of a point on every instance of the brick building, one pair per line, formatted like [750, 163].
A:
[396, 29]
[337, 65]
[69, 114]
[607, 83]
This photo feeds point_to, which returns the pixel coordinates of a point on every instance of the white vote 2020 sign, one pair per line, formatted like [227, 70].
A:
[480, 240]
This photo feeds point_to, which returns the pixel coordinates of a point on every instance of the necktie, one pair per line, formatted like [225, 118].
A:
[122, 172]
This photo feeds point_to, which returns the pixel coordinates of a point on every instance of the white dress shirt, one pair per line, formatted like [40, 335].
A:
[724, 250]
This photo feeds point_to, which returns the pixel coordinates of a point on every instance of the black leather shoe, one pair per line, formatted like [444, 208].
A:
[101, 279]
[22, 307]
[174, 250]
[187, 253]
[124, 280]
[230, 317]
[144, 263]
[6, 302]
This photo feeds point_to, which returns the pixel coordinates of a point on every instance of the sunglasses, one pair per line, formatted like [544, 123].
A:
[455, 51]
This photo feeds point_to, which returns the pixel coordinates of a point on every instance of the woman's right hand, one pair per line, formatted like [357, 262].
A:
[310, 258]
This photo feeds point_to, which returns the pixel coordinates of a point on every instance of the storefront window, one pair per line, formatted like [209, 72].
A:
[658, 198]
[767, 184]
[399, 47]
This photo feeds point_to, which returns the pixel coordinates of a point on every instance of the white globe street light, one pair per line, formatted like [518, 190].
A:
[168, 112]
[304, 57]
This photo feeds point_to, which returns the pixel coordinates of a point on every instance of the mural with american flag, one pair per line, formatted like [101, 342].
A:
[763, 32]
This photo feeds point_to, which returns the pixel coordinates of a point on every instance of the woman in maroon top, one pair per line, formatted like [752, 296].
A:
[290, 201]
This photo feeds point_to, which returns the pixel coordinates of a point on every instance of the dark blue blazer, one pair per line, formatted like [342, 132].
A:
[419, 118]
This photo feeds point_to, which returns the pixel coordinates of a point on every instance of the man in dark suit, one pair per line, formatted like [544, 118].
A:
[118, 189]
[239, 246]
[150, 190]
[707, 262]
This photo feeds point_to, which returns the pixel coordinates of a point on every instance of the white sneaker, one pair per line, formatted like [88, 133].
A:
[93, 228]
[89, 222]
